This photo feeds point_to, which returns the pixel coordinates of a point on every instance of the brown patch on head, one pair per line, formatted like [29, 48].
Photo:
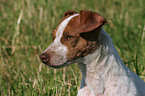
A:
[81, 35]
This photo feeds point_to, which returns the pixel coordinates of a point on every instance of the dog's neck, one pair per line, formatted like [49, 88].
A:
[104, 62]
[104, 56]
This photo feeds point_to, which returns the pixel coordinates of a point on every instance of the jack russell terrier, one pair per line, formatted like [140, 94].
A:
[81, 38]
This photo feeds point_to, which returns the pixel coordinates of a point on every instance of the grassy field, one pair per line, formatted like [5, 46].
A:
[25, 32]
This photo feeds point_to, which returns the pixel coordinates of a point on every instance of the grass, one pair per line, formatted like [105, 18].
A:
[25, 32]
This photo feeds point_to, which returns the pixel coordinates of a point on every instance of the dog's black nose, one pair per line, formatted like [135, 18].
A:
[44, 57]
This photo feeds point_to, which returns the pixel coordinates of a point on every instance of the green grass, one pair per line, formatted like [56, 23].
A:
[25, 32]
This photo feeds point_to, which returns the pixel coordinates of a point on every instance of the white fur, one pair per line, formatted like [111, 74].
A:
[106, 75]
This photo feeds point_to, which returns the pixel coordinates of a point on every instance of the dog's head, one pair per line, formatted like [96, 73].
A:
[76, 36]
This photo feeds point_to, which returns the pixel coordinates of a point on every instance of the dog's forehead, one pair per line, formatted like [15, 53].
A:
[62, 26]
[73, 26]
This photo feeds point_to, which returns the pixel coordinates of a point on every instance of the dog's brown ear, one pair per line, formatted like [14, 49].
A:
[68, 13]
[90, 21]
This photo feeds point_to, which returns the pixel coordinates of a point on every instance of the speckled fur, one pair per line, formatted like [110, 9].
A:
[106, 75]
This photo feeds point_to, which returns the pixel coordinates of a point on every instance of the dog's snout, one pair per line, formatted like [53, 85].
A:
[44, 57]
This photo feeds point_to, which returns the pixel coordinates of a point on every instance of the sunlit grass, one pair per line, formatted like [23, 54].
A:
[25, 32]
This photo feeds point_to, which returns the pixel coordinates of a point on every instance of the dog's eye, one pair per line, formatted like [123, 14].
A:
[68, 37]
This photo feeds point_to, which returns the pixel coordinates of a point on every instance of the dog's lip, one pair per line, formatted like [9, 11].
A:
[60, 65]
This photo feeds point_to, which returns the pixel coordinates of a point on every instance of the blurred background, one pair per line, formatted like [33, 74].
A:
[25, 32]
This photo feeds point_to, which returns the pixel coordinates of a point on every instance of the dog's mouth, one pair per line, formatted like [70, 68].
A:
[57, 66]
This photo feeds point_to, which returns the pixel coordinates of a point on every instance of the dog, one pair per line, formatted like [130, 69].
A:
[80, 37]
